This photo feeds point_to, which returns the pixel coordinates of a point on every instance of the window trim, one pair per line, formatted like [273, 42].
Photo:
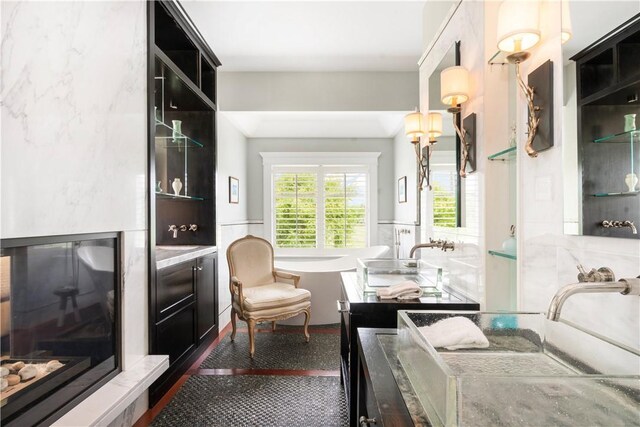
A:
[367, 160]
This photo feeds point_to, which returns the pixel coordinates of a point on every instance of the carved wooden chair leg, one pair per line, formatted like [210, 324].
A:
[233, 324]
[273, 326]
[252, 325]
[307, 316]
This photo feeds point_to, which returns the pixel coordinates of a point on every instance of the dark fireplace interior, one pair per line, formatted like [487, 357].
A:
[59, 323]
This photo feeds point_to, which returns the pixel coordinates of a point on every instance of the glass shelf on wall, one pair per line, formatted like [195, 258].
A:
[504, 155]
[173, 139]
[163, 195]
[622, 137]
[622, 193]
[503, 254]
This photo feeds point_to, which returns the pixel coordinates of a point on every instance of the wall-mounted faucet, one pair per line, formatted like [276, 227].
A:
[620, 224]
[174, 228]
[442, 244]
[623, 286]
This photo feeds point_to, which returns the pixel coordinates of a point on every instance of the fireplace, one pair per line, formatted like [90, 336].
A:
[59, 323]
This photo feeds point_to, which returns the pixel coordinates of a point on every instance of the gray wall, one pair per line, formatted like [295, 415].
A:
[386, 181]
[318, 91]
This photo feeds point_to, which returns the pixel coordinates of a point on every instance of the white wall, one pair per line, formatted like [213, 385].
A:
[317, 91]
[386, 190]
[231, 218]
[405, 164]
[74, 140]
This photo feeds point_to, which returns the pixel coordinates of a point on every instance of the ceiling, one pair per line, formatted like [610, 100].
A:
[323, 124]
[311, 35]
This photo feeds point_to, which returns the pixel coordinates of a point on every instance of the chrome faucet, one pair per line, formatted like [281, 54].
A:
[623, 286]
[620, 224]
[442, 244]
[174, 228]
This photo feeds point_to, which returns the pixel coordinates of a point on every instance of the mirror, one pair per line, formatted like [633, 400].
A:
[601, 151]
[444, 157]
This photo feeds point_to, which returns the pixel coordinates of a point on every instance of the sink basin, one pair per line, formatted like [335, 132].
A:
[177, 248]
[534, 372]
[375, 273]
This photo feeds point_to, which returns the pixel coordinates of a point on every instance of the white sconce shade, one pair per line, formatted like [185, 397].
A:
[518, 25]
[434, 123]
[454, 85]
[414, 125]
[567, 29]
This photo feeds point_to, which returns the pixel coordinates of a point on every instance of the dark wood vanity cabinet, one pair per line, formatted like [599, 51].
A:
[206, 295]
[187, 316]
[366, 311]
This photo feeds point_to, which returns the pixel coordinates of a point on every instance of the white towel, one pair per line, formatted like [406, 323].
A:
[455, 333]
[403, 290]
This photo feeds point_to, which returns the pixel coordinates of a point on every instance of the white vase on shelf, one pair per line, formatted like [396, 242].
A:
[177, 186]
[631, 180]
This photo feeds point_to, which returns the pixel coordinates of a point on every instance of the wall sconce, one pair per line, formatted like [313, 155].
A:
[454, 90]
[415, 128]
[518, 30]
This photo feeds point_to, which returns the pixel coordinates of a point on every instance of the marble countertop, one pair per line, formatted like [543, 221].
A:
[167, 256]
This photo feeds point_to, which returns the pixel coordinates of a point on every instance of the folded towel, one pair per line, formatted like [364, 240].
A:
[455, 333]
[403, 290]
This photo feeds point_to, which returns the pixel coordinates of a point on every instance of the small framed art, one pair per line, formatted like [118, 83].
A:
[402, 189]
[234, 190]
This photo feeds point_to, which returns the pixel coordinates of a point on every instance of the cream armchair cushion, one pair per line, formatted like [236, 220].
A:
[258, 291]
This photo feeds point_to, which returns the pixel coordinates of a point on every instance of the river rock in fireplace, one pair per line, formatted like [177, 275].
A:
[20, 375]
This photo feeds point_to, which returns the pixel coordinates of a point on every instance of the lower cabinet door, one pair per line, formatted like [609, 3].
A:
[206, 294]
[176, 334]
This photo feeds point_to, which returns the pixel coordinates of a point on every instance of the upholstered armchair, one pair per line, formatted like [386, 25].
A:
[259, 292]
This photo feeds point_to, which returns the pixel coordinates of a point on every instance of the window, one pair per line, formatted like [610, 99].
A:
[320, 206]
[444, 197]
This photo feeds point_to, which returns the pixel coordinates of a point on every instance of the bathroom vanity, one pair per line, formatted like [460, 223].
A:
[360, 310]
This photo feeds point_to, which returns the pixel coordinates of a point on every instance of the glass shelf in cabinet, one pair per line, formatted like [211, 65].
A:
[622, 137]
[173, 139]
[162, 195]
[621, 193]
[503, 254]
[504, 155]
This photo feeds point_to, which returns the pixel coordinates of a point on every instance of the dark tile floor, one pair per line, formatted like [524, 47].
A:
[288, 383]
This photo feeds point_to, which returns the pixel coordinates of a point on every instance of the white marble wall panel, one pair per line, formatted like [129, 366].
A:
[547, 258]
[135, 298]
[73, 90]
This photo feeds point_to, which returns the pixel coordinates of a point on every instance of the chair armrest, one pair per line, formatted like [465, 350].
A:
[286, 275]
[235, 286]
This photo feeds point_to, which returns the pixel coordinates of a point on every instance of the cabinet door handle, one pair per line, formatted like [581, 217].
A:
[364, 421]
[343, 306]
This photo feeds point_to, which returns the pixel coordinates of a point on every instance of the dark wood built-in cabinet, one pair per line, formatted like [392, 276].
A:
[608, 88]
[183, 316]
[366, 311]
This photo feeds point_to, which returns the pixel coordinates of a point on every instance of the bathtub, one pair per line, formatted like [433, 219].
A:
[321, 276]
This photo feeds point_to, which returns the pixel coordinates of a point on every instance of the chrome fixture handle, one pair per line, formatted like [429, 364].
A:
[196, 268]
[603, 274]
[620, 224]
[183, 227]
[174, 228]
[364, 421]
[193, 227]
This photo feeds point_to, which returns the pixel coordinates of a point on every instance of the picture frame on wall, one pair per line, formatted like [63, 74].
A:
[234, 190]
[402, 189]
